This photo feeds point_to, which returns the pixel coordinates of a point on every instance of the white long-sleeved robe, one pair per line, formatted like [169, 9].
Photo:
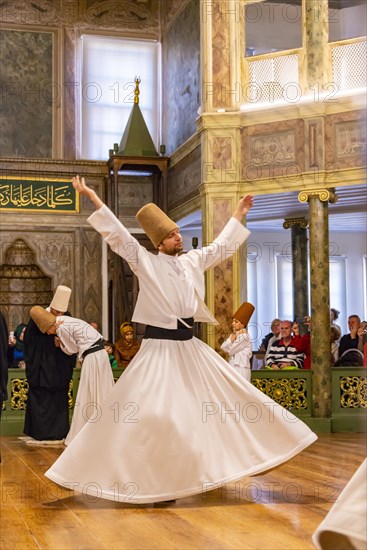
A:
[240, 353]
[178, 422]
[96, 378]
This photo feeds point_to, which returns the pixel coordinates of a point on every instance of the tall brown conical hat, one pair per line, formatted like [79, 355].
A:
[43, 319]
[244, 313]
[156, 224]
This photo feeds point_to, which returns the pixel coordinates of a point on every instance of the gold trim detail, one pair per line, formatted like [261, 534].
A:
[291, 393]
[353, 392]
[324, 195]
[19, 394]
[289, 222]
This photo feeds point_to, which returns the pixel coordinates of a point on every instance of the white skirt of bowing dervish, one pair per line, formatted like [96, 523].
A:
[179, 421]
[96, 382]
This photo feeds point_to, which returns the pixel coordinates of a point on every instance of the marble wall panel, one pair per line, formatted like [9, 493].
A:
[345, 140]
[223, 277]
[184, 179]
[169, 11]
[126, 15]
[89, 284]
[273, 150]
[181, 77]
[221, 55]
[222, 152]
[133, 195]
[69, 94]
[27, 87]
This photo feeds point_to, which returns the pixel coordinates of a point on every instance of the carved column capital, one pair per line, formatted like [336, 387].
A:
[290, 222]
[324, 195]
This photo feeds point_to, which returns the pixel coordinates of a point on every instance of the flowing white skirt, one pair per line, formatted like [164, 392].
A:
[96, 382]
[346, 522]
[178, 422]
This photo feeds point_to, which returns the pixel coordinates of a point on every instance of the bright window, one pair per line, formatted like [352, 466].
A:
[109, 66]
[284, 286]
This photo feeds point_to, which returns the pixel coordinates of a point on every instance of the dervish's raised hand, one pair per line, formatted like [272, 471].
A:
[82, 188]
[244, 205]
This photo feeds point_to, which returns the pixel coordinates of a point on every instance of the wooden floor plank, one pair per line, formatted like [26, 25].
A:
[278, 510]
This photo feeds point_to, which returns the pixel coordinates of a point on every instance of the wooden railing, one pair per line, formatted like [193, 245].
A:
[291, 389]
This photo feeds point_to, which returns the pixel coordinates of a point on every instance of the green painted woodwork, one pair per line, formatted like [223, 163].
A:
[291, 389]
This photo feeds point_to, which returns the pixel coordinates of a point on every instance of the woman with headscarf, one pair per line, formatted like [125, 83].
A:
[126, 347]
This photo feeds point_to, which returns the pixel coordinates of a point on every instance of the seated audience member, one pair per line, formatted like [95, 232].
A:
[126, 347]
[238, 345]
[362, 341]
[350, 341]
[110, 348]
[273, 335]
[303, 343]
[334, 315]
[334, 343]
[354, 357]
[16, 347]
[283, 354]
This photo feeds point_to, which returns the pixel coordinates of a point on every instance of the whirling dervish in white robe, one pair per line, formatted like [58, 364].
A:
[179, 421]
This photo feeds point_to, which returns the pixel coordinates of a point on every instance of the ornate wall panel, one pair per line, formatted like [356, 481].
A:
[22, 283]
[184, 179]
[222, 152]
[272, 150]
[53, 255]
[345, 140]
[181, 77]
[133, 194]
[129, 15]
[27, 93]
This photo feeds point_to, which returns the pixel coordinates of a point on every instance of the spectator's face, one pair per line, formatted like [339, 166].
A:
[353, 323]
[21, 335]
[109, 350]
[285, 330]
[275, 328]
[129, 336]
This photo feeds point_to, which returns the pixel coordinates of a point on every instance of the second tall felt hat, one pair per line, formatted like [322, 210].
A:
[60, 301]
[244, 313]
[156, 224]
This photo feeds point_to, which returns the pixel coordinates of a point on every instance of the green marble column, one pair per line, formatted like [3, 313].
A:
[320, 307]
[299, 266]
[316, 35]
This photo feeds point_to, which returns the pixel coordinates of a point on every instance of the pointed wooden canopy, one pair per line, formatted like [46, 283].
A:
[136, 140]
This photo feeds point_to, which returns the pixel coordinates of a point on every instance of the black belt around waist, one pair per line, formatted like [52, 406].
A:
[180, 333]
[97, 346]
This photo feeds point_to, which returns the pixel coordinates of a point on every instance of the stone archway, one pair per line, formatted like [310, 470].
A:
[23, 284]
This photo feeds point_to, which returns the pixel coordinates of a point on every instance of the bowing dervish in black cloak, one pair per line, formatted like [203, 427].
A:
[49, 371]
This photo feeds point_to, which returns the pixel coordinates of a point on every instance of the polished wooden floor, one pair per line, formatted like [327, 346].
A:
[278, 510]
